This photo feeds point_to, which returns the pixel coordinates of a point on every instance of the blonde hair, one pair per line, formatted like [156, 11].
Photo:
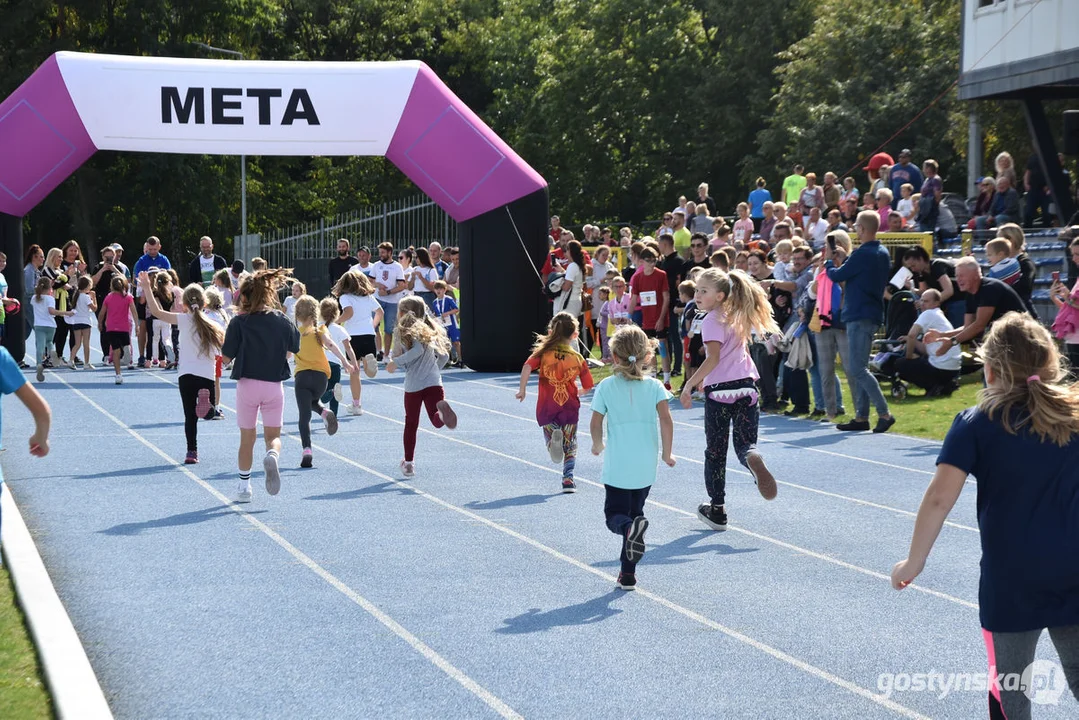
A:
[633, 352]
[257, 264]
[329, 310]
[1018, 347]
[999, 246]
[745, 307]
[742, 206]
[1013, 234]
[298, 284]
[415, 326]
[353, 283]
[224, 277]
[559, 334]
[209, 334]
[214, 298]
[306, 310]
[784, 246]
[258, 292]
[54, 253]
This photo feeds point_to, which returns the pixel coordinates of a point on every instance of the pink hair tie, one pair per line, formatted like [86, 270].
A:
[1034, 379]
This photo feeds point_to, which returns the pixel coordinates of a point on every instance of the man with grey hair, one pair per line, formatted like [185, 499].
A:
[435, 250]
[866, 274]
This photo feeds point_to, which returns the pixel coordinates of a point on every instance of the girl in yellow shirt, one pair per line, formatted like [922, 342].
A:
[313, 372]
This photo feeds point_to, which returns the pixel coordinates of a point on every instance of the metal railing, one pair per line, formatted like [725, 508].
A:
[415, 220]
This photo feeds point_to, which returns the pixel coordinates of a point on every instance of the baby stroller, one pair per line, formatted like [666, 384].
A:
[888, 350]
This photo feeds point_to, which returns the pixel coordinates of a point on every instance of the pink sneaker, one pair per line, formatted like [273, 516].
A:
[446, 414]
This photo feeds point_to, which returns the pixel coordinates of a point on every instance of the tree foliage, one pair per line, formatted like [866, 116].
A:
[621, 105]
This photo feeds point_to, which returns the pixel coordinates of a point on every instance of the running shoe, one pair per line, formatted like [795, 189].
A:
[568, 486]
[331, 423]
[338, 392]
[378, 356]
[244, 494]
[273, 473]
[218, 414]
[627, 581]
[446, 413]
[408, 469]
[307, 460]
[370, 365]
[203, 408]
[142, 361]
[355, 409]
[192, 458]
[119, 379]
[635, 539]
[554, 447]
[766, 482]
[883, 424]
[40, 373]
[713, 516]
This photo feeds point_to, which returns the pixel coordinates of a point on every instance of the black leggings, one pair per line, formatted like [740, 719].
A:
[189, 395]
[621, 507]
[1011, 654]
[310, 384]
[744, 414]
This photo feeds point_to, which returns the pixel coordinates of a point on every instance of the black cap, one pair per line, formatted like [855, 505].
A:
[238, 267]
[363, 249]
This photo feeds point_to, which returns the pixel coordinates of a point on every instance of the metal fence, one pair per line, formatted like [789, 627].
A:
[415, 220]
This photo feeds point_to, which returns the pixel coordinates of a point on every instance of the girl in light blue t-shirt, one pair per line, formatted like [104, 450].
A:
[631, 400]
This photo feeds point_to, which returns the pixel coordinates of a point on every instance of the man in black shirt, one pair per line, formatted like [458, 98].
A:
[102, 277]
[698, 248]
[988, 300]
[937, 274]
[342, 263]
[675, 267]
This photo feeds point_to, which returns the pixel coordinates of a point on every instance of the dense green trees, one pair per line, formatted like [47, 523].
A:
[621, 104]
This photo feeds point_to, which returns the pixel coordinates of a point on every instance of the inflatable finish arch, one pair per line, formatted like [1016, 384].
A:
[76, 104]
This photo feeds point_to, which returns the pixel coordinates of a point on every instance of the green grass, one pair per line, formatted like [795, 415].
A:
[22, 691]
[915, 415]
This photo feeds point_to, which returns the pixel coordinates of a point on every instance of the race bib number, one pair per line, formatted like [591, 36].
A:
[695, 326]
[648, 298]
[446, 321]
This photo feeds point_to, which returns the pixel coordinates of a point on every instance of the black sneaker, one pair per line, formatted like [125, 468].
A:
[794, 412]
[142, 362]
[853, 426]
[47, 364]
[818, 413]
[378, 356]
[568, 486]
[627, 581]
[713, 516]
[635, 539]
[883, 424]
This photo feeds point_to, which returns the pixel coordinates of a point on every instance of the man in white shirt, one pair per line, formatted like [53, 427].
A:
[938, 374]
[389, 278]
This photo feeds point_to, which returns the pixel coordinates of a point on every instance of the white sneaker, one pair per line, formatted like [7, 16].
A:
[273, 473]
[119, 379]
[338, 392]
[243, 495]
[370, 365]
[555, 448]
[88, 366]
[408, 469]
[355, 409]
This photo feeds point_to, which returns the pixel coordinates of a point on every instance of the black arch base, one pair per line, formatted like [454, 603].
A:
[11, 245]
[504, 305]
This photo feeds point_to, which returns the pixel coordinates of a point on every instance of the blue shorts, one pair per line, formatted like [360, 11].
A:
[389, 316]
[454, 333]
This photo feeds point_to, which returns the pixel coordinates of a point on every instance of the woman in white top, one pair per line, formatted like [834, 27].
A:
[423, 276]
[601, 265]
[570, 298]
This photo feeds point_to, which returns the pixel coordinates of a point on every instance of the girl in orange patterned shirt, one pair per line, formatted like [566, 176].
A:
[558, 407]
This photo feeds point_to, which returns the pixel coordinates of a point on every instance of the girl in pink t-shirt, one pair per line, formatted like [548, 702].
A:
[743, 228]
[118, 316]
[736, 307]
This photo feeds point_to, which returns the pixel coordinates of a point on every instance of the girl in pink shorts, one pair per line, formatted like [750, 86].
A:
[257, 342]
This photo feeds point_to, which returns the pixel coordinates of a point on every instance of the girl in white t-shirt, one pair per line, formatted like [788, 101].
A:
[423, 277]
[219, 314]
[200, 344]
[570, 298]
[298, 291]
[360, 315]
[329, 312]
[223, 283]
[83, 319]
[45, 312]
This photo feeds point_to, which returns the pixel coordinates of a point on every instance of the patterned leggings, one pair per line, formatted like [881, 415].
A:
[718, 416]
[569, 445]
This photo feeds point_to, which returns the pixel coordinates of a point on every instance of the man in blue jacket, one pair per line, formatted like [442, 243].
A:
[865, 274]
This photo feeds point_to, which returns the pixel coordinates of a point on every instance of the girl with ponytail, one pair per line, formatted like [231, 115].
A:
[1021, 444]
[200, 342]
[735, 307]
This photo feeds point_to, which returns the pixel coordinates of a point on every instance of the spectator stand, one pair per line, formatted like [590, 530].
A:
[897, 242]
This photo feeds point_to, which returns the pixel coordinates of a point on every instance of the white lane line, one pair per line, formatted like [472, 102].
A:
[669, 604]
[582, 431]
[779, 543]
[370, 608]
[777, 442]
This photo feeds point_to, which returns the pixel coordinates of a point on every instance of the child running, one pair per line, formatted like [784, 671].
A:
[329, 311]
[360, 314]
[313, 371]
[83, 320]
[421, 347]
[734, 306]
[445, 309]
[45, 314]
[297, 292]
[200, 343]
[558, 408]
[259, 340]
[1021, 444]
[219, 314]
[118, 316]
[161, 337]
[630, 400]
